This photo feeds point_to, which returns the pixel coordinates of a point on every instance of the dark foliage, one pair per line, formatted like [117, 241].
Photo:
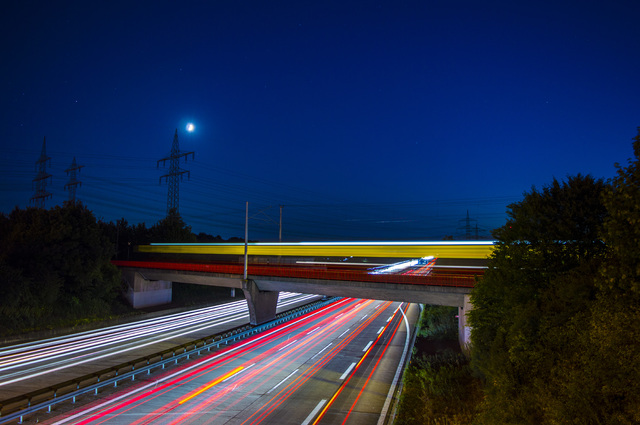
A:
[54, 265]
[438, 386]
[556, 319]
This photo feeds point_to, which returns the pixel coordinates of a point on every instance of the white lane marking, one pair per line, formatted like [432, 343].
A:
[340, 336]
[389, 319]
[364, 317]
[281, 382]
[285, 346]
[313, 412]
[346, 372]
[380, 330]
[313, 330]
[396, 378]
[318, 353]
[368, 345]
[239, 372]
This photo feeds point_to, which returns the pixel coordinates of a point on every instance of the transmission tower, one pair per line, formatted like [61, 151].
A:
[73, 181]
[468, 228]
[175, 175]
[41, 178]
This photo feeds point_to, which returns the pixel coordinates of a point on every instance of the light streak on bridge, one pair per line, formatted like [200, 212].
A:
[440, 249]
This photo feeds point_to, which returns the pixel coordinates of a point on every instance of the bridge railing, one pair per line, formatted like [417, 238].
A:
[255, 271]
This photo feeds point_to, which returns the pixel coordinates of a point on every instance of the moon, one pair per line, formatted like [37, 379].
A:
[190, 127]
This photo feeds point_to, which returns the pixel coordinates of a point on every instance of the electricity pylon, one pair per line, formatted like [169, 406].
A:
[41, 178]
[73, 181]
[175, 175]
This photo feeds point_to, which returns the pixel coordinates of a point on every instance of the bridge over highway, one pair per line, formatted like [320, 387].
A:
[440, 273]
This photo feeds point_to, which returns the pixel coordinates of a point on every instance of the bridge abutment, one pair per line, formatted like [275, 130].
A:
[262, 304]
[142, 292]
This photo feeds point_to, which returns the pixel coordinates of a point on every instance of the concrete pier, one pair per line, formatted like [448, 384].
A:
[262, 304]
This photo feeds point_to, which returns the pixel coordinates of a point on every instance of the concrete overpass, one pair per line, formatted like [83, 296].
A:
[150, 281]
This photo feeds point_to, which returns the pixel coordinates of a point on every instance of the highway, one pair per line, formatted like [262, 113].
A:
[32, 366]
[336, 364]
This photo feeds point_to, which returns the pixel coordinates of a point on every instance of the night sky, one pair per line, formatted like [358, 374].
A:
[366, 119]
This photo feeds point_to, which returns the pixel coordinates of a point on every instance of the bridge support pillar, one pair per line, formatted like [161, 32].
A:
[464, 330]
[262, 304]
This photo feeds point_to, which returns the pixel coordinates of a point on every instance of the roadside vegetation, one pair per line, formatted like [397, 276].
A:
[438, 386]
[556, 318]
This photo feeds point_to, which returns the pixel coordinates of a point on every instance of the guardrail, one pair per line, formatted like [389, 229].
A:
[16, 408]
[465, 280]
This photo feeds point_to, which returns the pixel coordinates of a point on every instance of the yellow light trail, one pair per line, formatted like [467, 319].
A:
[442, 249]
[213, 383]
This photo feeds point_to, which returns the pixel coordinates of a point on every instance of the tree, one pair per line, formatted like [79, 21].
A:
[171, 229]
[540, 276]
[600, 380]
[54, 264]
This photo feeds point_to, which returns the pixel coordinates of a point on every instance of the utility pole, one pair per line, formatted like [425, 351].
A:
[73, 181]
[41, 178]
[280, 235]
[175, 172]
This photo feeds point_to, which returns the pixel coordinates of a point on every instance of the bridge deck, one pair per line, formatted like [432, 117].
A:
[452, 278]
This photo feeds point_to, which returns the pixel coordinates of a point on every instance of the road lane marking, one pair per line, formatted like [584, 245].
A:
[314, 412]
[239, 372]
[380, 330]
[281, 382]
[396, 378]
[368, 345]
[346, 372]
[285, 346]
[340, 336]
[318, 353]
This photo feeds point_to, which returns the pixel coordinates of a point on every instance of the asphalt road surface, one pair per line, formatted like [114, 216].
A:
[337, 364]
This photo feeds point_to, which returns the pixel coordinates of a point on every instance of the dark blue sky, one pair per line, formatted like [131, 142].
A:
[366, 119]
